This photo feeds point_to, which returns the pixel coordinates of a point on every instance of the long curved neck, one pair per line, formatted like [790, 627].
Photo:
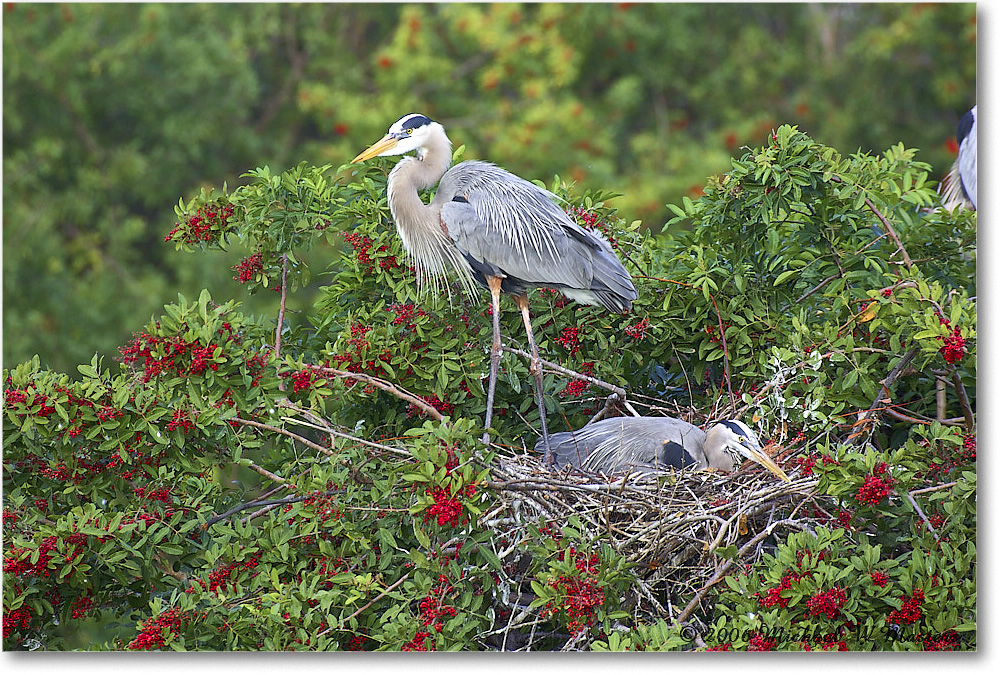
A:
[418, 224]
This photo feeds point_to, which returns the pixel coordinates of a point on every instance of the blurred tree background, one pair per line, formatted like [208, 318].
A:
[113, 112]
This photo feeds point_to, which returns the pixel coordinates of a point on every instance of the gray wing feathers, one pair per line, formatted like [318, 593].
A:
[535, 240]
[544, 265]
[636, 443]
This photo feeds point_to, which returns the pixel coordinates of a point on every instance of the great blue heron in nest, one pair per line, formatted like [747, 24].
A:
[958, 188]
[646, 445]
[492, 227]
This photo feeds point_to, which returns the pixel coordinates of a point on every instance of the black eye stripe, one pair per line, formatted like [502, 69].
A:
[415, 122]
[734, 427]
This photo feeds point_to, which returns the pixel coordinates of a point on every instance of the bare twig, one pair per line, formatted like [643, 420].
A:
[818, 286]
[285, 432]
[724, 569]
[913, 503]
[385, 386]
[963, 400]
[281, 314]
[885, 223]
[378, 597]
[933, 488]
[571, 373]
[865, 418]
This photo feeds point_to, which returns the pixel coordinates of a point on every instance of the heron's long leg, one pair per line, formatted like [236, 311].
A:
[535, 368]
[494, 284]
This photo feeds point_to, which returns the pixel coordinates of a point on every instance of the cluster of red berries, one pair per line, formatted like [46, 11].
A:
[954, 347]
[844, 519]
[560, 299]
[158, 495]
[325, 507]
[18, 562]
[760, 643]
[354, 360]
[878, 485]
[362, 245]
[714, 336]
[581, 598]
[574, 388]
[827, 602]
[433, 401]
[947, 642]
[180, 357]
[418, 643]
[10, 518]
[222, 576]
[81, 606]
[12, 396]
[181, 419]
[880, 579]
[827, 643]
[432, 607]
[15, 619]
[447, 509]
[638, 331]
[910, 612]
[248, 268]
[207, 224]
[151, 634]
[356, 643]
[773, 595]
[405, 313]
[570, 340]
[301, 380]
[589, 220]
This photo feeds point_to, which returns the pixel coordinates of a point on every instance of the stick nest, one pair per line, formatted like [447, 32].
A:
[668, 525]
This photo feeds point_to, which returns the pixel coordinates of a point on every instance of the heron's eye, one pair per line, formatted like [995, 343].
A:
[410, 131]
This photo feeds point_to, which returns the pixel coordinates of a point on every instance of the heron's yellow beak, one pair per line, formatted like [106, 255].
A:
[764, 460]
[386, 143]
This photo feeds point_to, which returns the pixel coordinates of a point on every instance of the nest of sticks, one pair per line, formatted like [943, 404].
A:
[670, 526]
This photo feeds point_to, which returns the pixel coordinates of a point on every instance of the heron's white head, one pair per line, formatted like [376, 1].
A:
[739, 441]
[408, 133]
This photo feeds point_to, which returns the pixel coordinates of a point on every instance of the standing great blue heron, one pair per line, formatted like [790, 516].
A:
[958, 188]
[647, 444]
[497, 229]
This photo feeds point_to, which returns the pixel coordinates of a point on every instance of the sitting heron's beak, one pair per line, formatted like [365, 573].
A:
[387, 142]
[762, 458]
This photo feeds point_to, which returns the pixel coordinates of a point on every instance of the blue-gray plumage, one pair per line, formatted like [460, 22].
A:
[958, 188]
[493, 228]
[646, 445]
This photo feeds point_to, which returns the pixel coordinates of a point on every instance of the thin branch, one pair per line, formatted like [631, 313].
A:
[934, 488]
[571, 373]
[285, 432]
[885, 222]
[385, 386]
[724, 569]
[370, 603]
[818, 286]
[864, 419]
[281, 314]
[963, 400]
[913, 502]
[339, 434]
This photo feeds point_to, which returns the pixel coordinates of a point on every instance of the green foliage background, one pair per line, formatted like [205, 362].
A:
[112, 111]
